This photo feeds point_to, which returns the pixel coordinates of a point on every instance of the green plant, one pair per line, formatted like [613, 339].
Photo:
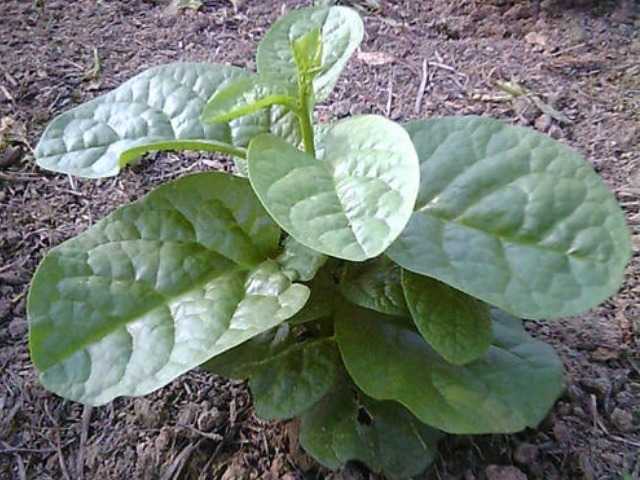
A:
[360, 277]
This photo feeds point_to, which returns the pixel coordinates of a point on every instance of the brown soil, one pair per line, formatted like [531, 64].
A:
[581, 58]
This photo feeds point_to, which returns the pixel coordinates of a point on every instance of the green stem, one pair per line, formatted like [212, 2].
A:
[305, 114]
[187, 144]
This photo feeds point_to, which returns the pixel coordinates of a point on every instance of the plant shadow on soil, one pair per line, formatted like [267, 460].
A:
[580, 57]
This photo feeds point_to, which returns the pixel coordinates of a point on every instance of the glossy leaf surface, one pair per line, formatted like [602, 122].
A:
[375, 284]
[382, 435]
[302, 262]
[351, 204]
[157, 288]
[511, 387]
[513, 218]
[158, 109]
[456, 325]
[341, 31]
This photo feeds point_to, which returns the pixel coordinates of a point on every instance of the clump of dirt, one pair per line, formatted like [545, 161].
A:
[575, 69]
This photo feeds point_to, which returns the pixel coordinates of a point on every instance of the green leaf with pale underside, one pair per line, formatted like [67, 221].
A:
[512, 217]
[156, 289]
[341, 31]
[245, 96]
[455, 324]
[158, 109]
[351, 204]
[511, 387]
[347, 425]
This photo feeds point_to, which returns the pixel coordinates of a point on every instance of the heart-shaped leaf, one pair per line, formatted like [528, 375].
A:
[157, 110]
[156, 289]
[513, 218]
[286, 377]
[351, 204]
[341, 31]
[511, 387]
[456, 325]
[375, 284]
[245, 96]
[347, 425]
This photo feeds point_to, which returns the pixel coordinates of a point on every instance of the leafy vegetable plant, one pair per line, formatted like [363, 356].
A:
[366, 277]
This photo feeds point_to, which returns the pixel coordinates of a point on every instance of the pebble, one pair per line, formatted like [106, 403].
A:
[562, 433]
[525, 110]
[163, 440]
[622, 420]
[499, 472]
[209, 420]
[18, 328]
[543, 122]
[526, 453]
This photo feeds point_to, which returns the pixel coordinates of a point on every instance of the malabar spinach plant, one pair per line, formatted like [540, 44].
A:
[366, 277]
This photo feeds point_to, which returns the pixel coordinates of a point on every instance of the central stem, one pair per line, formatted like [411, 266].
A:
[305, 114]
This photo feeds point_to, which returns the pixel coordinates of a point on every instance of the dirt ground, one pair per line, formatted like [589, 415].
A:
[578, 63]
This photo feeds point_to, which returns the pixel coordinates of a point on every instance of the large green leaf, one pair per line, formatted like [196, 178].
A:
[512, 217]
[286, 377]
[511, 387]
[346, 425]
[157, 288]
[375, 284]
[456, 325]
[158, 109]
[341, 31]
[351, 204]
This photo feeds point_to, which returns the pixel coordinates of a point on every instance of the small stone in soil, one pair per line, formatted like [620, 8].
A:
[526, 453]
[499, 472]
[208, 420]
[622, 419]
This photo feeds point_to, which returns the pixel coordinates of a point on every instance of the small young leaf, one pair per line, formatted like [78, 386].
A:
[511, 387]
[375, 284]
[302, 262]
[382, 435]
[286, 377]
[245, 96]
[157, 288]
[456, 325]
[341, 31]
[351, 204]
[307, 52]
[512, 217]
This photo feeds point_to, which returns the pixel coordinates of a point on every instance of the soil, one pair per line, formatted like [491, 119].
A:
[579, 59]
